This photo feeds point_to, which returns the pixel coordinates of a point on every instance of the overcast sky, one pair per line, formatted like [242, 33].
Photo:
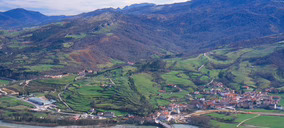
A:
[72, 7]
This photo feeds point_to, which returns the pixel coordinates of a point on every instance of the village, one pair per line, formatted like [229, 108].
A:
[218, 97]
[214, 96]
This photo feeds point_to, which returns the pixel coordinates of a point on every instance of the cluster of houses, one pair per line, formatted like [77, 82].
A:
[170, 113]
[218, 97]
[56, 76]
[84, 72]
[228, 99]
[100, 115]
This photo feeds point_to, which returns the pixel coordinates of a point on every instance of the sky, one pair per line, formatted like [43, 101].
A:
[73, 7]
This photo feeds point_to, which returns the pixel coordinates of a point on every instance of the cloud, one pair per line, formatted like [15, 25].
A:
[72, 7]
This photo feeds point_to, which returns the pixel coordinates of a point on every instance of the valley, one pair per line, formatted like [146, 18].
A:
[205, 63]
[241, 79]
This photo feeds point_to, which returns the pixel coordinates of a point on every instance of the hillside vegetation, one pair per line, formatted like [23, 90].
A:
[109, 37]
[142, 88]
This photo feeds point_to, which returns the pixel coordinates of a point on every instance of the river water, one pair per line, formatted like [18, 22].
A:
[11, 125]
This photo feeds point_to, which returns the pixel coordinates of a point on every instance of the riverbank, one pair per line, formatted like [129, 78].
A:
[17, 125]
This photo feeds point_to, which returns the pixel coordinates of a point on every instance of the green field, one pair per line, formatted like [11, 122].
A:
[178, 78]
[191, 64]
[78, 36]
[263, 110]
[4, 82]
[267, 122]
[13, 103]
[144, 84]
[61, 81]
[228, 121]
[110, 64]
[68, 44]
[133, 88]
[143, 87]
[42, 68]
[232, 120]
[222, 125]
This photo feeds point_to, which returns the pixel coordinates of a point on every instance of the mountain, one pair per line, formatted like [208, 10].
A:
[210, 23]
[108, 37]
[19, 18]
[218, 22]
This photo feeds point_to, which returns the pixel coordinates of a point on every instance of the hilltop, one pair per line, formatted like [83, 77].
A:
[20, 18]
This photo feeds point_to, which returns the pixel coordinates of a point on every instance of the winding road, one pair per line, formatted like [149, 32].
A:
[59, 96]
[200, 67]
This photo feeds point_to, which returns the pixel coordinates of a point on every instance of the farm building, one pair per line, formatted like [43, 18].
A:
[39, 101]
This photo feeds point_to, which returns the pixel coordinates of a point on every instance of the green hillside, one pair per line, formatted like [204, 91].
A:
[144, 87]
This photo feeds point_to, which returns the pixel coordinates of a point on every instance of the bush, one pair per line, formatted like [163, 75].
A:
[200, 121]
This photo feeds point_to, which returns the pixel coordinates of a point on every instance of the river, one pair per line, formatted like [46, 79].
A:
[11, 125]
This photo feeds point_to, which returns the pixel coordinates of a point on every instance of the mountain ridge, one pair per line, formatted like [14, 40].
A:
[101, 38]
[19, 18]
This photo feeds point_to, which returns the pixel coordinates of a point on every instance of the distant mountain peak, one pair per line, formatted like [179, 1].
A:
[18, 10]
[20, 17]
[22, 13]
[142, 5]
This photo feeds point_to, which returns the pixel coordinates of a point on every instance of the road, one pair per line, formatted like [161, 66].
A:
[111, 81]
[59, 96]
[200, 67]
[5, 93]
[210, 82]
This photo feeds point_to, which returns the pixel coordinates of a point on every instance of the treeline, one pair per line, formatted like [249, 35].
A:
[144, 108]
[152, 65]
[27, 117]
[200, 121]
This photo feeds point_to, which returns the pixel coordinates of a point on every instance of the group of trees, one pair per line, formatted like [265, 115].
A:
[50, 120]
[145, 107]
[152, 65]
[200, 121]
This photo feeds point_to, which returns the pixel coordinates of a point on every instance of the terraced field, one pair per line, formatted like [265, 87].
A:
[142, 88]
[129, 89]
[257, 67]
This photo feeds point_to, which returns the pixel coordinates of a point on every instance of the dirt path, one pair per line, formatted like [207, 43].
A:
[59, 96]
[200, 67]
[247, 120]
[112, 81]
[210, 82]
[5, 93]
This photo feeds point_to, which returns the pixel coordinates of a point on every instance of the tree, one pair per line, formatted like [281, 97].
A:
[200, 121]
[153, 65]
